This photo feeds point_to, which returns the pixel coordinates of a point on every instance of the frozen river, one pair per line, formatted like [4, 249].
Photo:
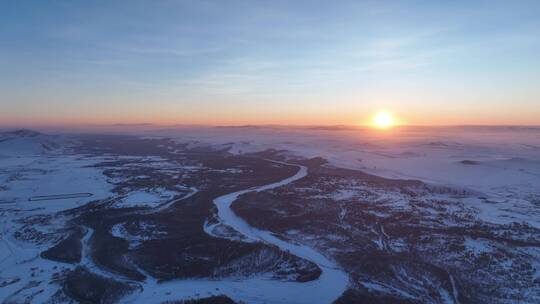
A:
[328, 287]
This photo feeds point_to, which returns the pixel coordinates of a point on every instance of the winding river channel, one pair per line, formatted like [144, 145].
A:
[328, 287]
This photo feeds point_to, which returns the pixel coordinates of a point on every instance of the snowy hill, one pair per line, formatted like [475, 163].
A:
[28, 142]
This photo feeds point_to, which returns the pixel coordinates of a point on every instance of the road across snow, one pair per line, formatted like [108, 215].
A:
[329, 286]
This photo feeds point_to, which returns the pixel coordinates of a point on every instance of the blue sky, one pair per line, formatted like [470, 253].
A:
[299, 62]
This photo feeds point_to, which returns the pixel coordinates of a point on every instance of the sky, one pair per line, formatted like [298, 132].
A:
[269, 62]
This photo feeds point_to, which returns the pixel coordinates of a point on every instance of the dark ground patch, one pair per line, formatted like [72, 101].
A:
[86, 287]
[209, 300]
[68, 250]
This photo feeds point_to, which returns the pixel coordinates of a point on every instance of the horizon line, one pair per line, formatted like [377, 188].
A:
[155, 125]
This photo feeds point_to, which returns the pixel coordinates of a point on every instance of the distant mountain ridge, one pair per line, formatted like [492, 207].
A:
[19, 133]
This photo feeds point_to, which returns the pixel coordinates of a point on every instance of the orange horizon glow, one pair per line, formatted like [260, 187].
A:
[366, 122]
[344, 113]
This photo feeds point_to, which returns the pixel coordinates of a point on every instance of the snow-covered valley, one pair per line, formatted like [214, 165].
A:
[271, 215]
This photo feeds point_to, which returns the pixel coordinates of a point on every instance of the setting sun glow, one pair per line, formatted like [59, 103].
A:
[383, 120]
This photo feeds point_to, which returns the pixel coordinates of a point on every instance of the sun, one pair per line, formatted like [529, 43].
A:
[383, 120]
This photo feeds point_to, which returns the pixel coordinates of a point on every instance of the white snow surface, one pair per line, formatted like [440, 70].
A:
[28, 176]
[139, 199]
[26, 172]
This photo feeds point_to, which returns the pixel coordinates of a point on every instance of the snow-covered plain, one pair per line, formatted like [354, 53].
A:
[501, 163]
[28, 170]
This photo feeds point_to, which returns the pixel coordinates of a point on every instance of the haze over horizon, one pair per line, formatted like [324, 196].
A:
[257, 63]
